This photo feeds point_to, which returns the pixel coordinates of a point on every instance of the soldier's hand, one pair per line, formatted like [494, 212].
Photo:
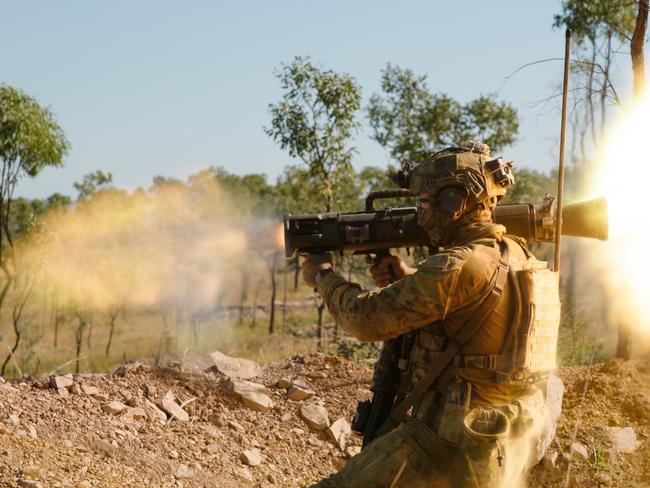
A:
[390, 269]
[312, 264]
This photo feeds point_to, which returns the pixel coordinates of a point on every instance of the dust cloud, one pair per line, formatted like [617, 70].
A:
[174, 245]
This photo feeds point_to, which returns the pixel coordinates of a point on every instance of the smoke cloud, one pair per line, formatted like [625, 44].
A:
[174, 245]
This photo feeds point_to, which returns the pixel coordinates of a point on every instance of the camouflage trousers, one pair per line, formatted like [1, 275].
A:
[493, 453]
[409, 456]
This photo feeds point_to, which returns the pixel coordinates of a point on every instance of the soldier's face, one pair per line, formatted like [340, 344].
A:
[430, 217]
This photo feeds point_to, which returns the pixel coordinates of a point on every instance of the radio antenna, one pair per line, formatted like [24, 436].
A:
[560, 175]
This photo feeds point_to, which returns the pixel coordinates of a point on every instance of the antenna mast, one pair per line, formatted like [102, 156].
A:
[560, 176]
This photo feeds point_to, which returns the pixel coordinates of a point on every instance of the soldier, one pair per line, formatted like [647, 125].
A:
[479, 421]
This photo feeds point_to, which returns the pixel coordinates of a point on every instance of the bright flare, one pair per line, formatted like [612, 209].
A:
[624, 178]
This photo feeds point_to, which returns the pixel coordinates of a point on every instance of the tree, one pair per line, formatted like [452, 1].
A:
[315, 120]
[597, 26]
[412, 122]
[92, 183]
[30, 140]
[636, 47]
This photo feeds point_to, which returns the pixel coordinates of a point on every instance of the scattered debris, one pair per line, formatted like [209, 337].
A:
[298, 392]
[114, 407]
[315, 415]
[60, 382]
[169, 405]
[252, 457]
[339, 432]
[236, 367]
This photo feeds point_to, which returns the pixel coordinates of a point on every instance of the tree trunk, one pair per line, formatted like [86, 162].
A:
[273, 293]
[89, 336]
[13, 349]
[163, 337]
[243, 295]
[112, 318]
[638, 40]
[624, 340]
[284, 297]
[257, 291]
[79, 333]
[296, 274]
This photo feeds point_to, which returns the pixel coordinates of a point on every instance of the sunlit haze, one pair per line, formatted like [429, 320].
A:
[623, 177]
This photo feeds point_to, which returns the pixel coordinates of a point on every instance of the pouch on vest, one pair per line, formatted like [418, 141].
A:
[530, 351]
[481, 458]
[452, 409]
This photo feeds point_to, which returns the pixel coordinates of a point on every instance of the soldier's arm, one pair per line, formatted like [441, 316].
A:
[407, 304]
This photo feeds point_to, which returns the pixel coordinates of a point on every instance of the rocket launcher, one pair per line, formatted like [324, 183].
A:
[396, 227]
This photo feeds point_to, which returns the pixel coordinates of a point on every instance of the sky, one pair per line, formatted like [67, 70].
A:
[156, 87]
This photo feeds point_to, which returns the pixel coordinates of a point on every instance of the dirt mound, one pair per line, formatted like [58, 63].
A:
[602, 433]
[107, 430]
[113, 431]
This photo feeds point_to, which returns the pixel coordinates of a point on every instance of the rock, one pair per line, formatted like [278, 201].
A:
[31, 431]
[285, 417]
[252, 457]
[235, 367]
[173, 454]
[63, 392]
[284, 382]
[23, 483]
[315, 416]
[113, 407]
[314, 441]
[236, 388]
[243, 474]
[103, 447]
[332, 359]
[579, 451]
[252, 395]
[32, 472]
[154, 412]
[623, 438]
[64, 381]
[89, 390]
[169, 405]
[137, 413]
[217, 419]
[100, 397]
[298, 393]
[550, 461]
[339, 431]
[260, 402]
[352, 451]
[316, 375]
[236, 426]
[182, 472]
[13, 419]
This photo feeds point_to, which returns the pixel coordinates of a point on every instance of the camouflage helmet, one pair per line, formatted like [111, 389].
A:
[469, 166]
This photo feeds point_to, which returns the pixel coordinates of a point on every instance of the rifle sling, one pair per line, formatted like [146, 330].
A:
[457, 343]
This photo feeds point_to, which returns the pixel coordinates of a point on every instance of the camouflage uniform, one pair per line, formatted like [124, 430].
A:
[435, 446]
[435, 302]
